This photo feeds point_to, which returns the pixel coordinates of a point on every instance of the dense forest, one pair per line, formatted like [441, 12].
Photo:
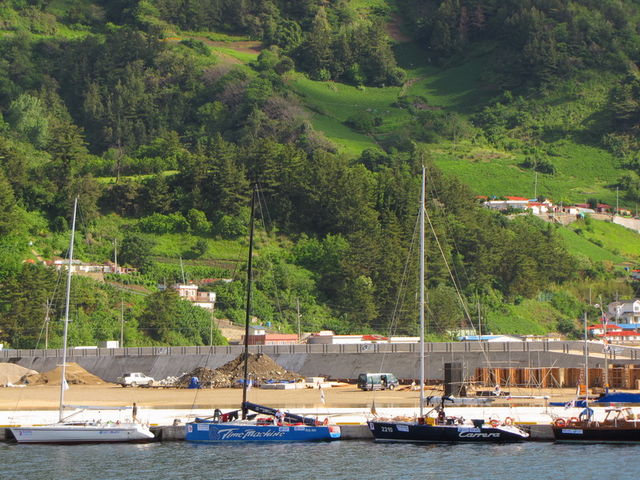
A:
[113, 103]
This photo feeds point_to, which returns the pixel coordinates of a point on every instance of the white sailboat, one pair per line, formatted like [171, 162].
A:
[65, 431]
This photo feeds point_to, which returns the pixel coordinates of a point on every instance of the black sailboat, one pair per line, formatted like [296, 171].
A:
[438, 429]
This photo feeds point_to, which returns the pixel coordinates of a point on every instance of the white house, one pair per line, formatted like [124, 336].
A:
[625, 311]
[189, 291]
[519, 203]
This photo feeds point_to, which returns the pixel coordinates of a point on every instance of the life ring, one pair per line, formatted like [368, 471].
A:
[508, 421]
[560, 422]
[574, 420]
[494, 422]
[326, 421]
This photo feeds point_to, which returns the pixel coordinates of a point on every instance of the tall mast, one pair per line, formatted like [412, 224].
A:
[66, 314]
[422, 214]
[248, 309]
[586, 363]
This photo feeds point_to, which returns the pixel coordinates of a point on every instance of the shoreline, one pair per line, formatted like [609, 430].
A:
[345, 405]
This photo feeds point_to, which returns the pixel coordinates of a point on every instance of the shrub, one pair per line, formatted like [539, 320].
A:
[159, 223]
[230, 227]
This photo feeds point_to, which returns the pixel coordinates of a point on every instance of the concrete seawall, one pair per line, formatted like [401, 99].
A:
[332, 361]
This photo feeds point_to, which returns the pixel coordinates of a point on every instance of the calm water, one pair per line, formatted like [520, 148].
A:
[337, 460]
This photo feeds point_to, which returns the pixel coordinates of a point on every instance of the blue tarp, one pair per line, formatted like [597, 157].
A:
[614, 397]
[619, 397]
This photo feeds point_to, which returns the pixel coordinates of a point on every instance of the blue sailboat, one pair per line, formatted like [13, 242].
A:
[277, 426]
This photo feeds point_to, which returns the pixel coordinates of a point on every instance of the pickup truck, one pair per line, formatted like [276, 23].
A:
[134, 379]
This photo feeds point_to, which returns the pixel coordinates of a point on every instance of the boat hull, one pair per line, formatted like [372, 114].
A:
[596, 434]
[419, 433]
[82, 433]
[209, 432]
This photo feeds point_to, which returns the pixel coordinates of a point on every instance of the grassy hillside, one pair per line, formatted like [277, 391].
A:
[566, 114]
[579, 245]
[614, 238]
[161, 121]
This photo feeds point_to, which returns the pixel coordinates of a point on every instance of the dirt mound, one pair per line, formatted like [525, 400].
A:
[75, 374]
[261, 368]
[12, 373]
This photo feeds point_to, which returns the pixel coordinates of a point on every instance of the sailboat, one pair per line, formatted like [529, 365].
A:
[66, 431]
[620, 425]
[439, 429]
[277, 426]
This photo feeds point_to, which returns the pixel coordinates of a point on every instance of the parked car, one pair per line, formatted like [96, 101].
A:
[134, 379]
[377, 381]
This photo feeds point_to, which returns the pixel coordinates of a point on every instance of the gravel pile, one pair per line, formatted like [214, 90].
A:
[11, 373]
[261, 368]
[75, 374]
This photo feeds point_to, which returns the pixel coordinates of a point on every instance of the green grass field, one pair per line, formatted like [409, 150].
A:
[348, 142]
[244, 57]
[530, 317]
[579, 245]
[583, 172]
[174, 245]
[340, 101]
[615, 238]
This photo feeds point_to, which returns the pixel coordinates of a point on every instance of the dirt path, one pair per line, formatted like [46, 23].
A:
[395, 31]
[243, 46]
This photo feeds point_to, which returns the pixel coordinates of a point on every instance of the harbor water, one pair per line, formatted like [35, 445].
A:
[336, 460]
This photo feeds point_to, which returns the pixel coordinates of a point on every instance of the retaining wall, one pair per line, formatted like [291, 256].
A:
[332, 361]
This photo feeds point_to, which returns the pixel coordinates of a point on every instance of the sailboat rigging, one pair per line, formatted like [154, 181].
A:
[441, 429]
[78, 432]
[281, 426]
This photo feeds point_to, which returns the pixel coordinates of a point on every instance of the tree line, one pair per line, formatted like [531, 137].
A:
[182, 141]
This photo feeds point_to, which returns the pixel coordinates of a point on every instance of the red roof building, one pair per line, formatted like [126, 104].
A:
[599, 329]
[622, 337]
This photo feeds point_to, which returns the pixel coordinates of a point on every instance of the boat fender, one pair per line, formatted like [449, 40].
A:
[508, 421]
[560, 422]
[326, 421]
[574, 420]
[494, 422]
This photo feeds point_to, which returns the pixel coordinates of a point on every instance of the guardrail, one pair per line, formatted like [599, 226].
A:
[616, 352]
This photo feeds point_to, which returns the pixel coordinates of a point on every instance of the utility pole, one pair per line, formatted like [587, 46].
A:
[535, 186]
[121, 323]
[115, 255]
[616, 212]
[298, 317]
[47, 307]
[211, 328]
